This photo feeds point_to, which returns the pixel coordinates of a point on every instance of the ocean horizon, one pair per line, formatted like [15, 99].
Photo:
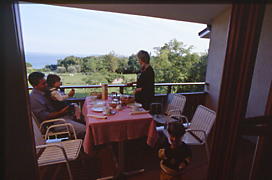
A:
[40, 60]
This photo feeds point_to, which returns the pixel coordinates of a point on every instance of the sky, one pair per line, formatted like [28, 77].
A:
[62, 30]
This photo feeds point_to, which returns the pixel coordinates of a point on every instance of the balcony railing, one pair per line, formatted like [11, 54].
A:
[122, 86]
[193, 98]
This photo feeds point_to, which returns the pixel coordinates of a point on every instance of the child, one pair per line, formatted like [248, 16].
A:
[58, 98]
[176, 155]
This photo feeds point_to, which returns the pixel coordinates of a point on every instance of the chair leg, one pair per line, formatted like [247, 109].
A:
[69, 170]
[207, 151]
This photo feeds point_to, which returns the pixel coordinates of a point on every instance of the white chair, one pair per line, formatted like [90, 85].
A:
[47, 128]
[174, 108]
[199, 128]
[58, 152]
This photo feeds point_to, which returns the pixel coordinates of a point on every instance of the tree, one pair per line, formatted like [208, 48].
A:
[123, 65]
[86, 64]
[52, 67]
[174, 62]
[72, 69]
[133, 65]
[68, 61]
[61, 69]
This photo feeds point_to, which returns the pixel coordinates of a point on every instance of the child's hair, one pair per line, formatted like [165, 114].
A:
[51, 79]
[176, 129]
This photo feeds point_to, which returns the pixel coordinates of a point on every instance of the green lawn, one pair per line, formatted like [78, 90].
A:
[72, 79]
[77, 79]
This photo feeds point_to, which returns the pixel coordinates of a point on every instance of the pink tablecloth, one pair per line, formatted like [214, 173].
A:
[119, 127]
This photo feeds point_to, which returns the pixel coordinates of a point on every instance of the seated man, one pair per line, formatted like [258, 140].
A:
[42, 107]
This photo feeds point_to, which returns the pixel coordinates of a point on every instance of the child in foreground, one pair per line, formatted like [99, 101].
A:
[176, 155]
[58, 98]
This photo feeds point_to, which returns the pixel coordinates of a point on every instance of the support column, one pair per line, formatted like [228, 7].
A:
[244, 31]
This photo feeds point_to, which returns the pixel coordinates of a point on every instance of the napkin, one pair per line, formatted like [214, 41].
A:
[138, 112]
[97, 116]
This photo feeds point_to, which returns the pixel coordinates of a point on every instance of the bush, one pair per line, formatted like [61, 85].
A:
[61, 69]
[71, 69]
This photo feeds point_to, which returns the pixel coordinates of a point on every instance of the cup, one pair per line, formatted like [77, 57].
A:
[119, 107]
[107, 110]
[135, 108]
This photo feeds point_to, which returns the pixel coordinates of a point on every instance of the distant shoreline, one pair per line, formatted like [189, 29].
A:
[39, 60]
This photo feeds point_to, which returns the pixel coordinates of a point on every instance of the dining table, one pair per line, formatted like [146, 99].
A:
[124, 124]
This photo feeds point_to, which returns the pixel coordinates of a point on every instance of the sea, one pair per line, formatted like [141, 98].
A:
[39, 60]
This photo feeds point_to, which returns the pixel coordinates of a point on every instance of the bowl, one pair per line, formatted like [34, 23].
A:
[113, 104]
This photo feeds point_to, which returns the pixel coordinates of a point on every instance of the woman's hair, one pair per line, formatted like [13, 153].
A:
[143, 56]
[34, 78]
[176, 129]
[51, 79]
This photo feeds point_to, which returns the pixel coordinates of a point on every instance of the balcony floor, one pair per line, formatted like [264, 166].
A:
[102, 165]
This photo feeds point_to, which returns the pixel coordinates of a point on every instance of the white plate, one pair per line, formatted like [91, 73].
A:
[99, 103]
[135, 104]
[97, 109]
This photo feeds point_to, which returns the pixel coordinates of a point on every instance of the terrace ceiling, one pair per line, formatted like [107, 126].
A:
[198, 13]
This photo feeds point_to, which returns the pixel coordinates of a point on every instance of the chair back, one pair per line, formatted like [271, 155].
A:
[203, 119]
[175, 102]
[39, 140]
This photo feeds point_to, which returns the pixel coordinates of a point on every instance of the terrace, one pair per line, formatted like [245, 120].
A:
[239, 77]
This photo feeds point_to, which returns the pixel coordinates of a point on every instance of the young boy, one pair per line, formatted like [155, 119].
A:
[58, 98]
[176, 155]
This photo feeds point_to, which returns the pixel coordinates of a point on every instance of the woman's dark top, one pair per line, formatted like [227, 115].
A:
[145, 81]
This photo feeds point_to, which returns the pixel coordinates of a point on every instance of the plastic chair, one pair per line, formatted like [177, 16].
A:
[199, 128]
[173, 111]
[55, 153]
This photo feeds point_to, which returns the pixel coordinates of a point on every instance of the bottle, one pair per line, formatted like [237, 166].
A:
[104, 91]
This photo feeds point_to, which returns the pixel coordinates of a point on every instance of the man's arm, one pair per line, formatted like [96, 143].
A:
[57, 114]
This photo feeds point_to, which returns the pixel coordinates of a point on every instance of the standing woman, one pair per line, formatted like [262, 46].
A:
[144, 92]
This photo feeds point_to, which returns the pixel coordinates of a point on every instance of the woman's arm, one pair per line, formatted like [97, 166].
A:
[131, 83]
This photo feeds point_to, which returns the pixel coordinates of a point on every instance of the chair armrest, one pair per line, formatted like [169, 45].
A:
[67, 125]
[44, 123]
[181, 117]
[195, 136]
[174, 111]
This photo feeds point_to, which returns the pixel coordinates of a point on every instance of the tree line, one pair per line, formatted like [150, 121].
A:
[173, 62]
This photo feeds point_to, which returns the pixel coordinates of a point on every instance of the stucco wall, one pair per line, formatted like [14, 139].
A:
[217, 51]
[263, 68]
[262, 75]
